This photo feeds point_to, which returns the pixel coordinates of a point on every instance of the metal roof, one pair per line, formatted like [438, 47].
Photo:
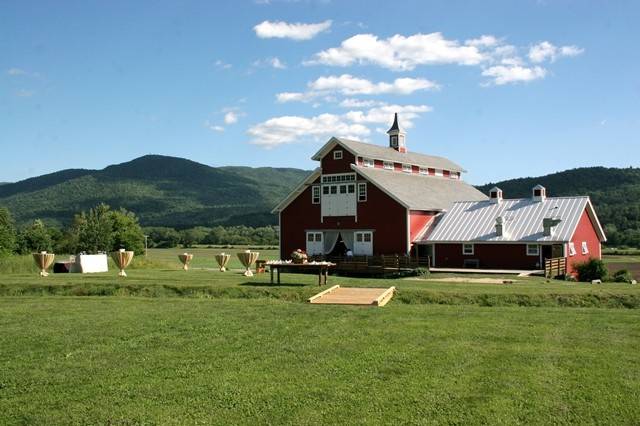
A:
[475, 221]
[420, 192]
[379, 152]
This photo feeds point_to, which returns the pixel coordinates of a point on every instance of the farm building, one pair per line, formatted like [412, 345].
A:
[520, 233]
[369, 199]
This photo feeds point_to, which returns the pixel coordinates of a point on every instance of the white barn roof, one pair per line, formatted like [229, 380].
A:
[474, 221]
[385, 153]
[420, 192]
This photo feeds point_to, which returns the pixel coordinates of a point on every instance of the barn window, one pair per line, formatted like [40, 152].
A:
[337, 155]
[368, 162]
[406, 168]
[387, 165]
[572, 249]
[315, 194]
[343, 189]
[533, 250]
[585, 248]
[424, 171]
[325, 189]
[467, 249]
[351, 188]
[362, 192]
[334, 189]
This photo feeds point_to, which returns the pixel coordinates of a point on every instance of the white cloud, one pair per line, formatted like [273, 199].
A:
[24, 93]
[384, 114]
[277, 63]
[353, 124]
[213, 127]
[502, 74]
[293, 31]
[221, 64]
[290, 129]
[399, 52]
[230, 117]
[16, 71]
[359, 103]
[349, 85]
[483, 41]
[546, 51]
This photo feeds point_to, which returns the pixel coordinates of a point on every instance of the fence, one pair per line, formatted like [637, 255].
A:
[555, 267]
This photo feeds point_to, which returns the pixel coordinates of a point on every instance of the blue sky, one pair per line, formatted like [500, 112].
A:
[505, 88]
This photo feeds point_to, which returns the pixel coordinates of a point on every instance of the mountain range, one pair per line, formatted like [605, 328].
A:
[161, 190]
[180, 193]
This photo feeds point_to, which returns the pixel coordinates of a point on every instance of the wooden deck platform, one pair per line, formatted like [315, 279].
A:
[337, 295]
[518, 272]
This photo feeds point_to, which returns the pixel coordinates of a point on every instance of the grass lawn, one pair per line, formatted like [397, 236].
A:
[132, 360]
[164, 346]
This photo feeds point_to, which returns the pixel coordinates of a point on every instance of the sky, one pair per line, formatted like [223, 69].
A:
[504, 88]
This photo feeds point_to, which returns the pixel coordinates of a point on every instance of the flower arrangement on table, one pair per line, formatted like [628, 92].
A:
[299, 256]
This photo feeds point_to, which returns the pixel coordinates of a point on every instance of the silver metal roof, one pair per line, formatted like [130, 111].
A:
[420, 192]
[385, 153]
[522, 220]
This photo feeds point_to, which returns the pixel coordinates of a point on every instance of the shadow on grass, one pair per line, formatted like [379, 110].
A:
[255, 284]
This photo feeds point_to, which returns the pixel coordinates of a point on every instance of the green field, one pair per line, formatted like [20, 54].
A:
[164, 346]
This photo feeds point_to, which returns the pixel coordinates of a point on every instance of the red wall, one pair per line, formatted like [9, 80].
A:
[417, 221]
[329, 165]
[381, 213]
[585, 231]
[491, 256]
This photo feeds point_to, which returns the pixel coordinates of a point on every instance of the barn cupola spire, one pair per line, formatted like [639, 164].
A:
[397, 136]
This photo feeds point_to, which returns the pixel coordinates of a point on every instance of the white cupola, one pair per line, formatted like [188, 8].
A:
[539, 193]
[397, 136]
[495, 195]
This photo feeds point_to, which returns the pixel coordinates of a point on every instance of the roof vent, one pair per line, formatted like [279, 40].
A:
[539, 193]
[495, 195]
[499, 226]
[548, 223]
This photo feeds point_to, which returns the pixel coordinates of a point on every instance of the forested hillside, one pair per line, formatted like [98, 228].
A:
[162, 191]
[614, 192]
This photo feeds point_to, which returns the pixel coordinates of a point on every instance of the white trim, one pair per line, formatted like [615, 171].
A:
[408, 231]
[368, 162]
[315, 188]
[407, 168]
[572, 248]
[423, 171]
[337, 154]
[388, 165]
[537, 252]
[585, 247]
[473, 249]
[363, 185]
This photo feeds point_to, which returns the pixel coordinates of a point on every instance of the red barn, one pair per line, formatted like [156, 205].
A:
[515, 234]
[369, 199]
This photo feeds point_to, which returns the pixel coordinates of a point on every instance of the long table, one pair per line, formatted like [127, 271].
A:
[323, 269]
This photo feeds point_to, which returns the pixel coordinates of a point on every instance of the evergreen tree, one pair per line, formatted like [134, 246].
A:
[7, 232]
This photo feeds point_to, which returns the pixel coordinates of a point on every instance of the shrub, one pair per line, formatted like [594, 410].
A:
[592, 269]
[622, 276]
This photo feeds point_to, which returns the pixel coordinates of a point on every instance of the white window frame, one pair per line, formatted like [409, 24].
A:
[362, 185]
[424, 171]
[585, 248]
[315, 194]
[337, 155]
[407, 168]
[536, 252]
[468, 253]
[388, 165]
[572, 249]
[368, 162]
[438, 173]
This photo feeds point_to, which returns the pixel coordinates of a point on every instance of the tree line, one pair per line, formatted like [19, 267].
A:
[103, 229]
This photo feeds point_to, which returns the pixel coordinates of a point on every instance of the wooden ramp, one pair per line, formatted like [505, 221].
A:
[337, 295]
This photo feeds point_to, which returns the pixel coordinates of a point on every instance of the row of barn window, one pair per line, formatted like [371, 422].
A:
[409, 168]
[532, 249]
[345, 188]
